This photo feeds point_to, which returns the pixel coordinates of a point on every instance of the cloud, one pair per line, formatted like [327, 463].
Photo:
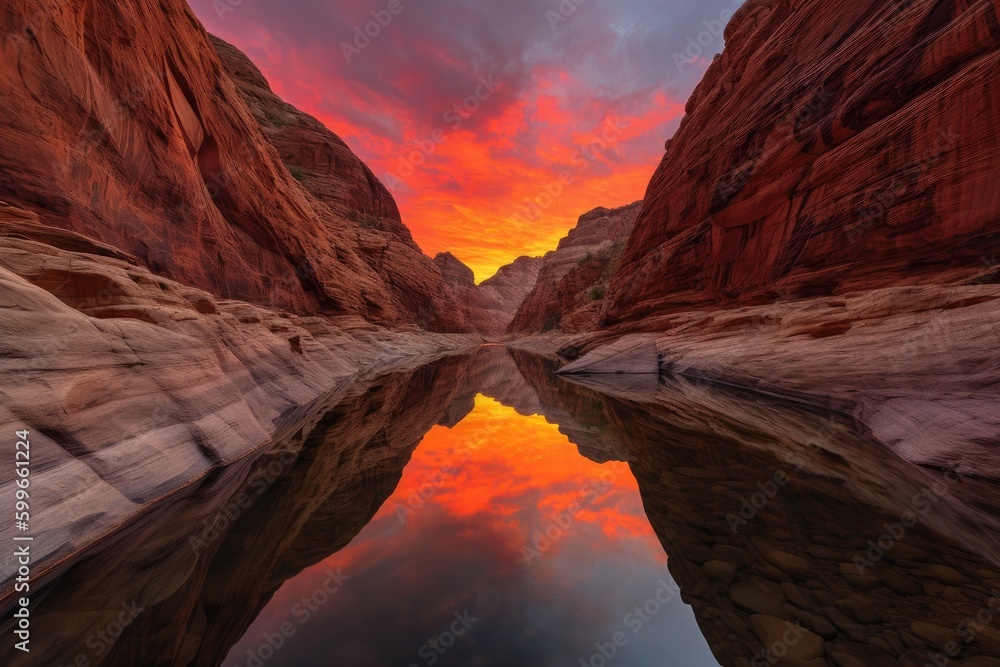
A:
[464, 175]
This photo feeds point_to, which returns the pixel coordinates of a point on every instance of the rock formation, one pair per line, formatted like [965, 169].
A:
[825, 224]
[574, 278]
[134, 386]
[829, 149]
[122, 123]
[358, 208]
[489, 307]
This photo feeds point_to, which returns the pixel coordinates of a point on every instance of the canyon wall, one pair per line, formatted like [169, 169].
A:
[489, 308]
[573, 279]
[121, 122]
[134, 386]
[830, 148]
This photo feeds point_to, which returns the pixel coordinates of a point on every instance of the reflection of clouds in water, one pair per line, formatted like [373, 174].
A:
[462, 550]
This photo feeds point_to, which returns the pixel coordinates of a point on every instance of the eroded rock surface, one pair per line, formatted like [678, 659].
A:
[489, 308]
[573, 279]
[829, 149]
[121, 122]
[134, 386]
[354, 204]
[919, 365]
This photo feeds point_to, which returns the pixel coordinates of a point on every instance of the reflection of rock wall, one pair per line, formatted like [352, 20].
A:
[764, 508]
[202, 570]
[708, 463]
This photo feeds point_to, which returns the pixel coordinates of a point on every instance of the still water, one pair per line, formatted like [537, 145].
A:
[482, 511]
[502, 545]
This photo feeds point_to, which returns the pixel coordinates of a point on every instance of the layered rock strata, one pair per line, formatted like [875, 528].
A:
[134, 386]
[828, 149]
[121, 122]
[572, 283]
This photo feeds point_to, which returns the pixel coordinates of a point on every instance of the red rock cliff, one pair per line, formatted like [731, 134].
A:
[832, 147]
[573, 279]
[121, 122]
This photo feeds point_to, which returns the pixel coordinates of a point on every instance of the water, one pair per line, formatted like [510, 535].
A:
[481, 511]
[501, 531]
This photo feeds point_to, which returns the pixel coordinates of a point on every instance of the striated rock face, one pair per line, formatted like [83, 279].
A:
[489, 307]
[359, 209]
[122, 123]
[134, 386]
[918, 365]
[456, 274]
[830, 148]
[573, 279]
[501, 295]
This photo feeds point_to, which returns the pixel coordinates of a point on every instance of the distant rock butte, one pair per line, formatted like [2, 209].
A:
[489, 307]
[123, 123]
[574, 278]
[830, 148]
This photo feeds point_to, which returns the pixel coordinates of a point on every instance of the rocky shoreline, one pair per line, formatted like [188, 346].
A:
[134, 386]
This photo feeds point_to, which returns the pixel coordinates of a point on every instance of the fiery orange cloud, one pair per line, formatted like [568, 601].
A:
[494, 132]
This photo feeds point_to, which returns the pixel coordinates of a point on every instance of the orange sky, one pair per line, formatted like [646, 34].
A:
[493, 126]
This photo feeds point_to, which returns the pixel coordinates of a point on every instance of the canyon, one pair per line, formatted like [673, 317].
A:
[197, 278]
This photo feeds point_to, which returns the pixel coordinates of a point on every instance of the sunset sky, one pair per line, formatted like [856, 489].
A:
[575, 100]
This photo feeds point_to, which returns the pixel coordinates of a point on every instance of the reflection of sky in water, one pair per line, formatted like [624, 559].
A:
[492, 481]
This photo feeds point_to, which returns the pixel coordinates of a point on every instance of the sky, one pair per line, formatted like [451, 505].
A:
[494, 123]
[461, 537]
